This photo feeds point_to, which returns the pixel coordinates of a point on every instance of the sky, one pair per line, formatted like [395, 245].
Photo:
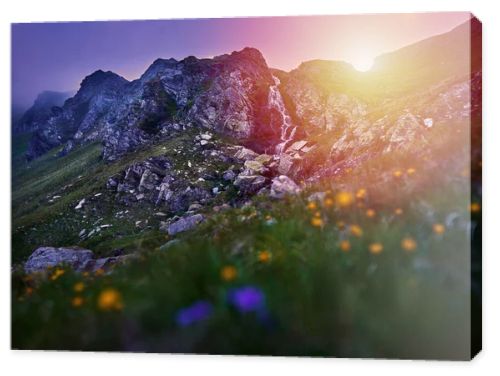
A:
[57, 56]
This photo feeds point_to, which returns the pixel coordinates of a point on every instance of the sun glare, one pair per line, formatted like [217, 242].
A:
[362, 64]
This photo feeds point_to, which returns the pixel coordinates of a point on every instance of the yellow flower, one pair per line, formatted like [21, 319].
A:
[317, 214]
[328, 202]
[475, 207]
[356, 230]
[398, 211]
[345, 246]
[397, 173]
[228, 273]
[408, 244]
[110, 300]
[29, 290]
[439, 228]
[99, 272]
[78, 287]
[317, 222]
[268, 217]
[312, 205]
[264, 256]
[77, 301]
[376, 248]
[85, 274]
[341, 225]
[57, 273]
[361, 193]
[370, 213]
[344, 199]
[411, 171]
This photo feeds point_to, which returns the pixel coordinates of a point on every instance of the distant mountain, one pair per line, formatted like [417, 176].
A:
[41, 111]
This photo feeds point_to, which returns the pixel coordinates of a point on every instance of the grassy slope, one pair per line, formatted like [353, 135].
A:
[320, 300]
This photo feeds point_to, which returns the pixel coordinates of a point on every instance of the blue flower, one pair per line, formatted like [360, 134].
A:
[198, 311]
[247, 299]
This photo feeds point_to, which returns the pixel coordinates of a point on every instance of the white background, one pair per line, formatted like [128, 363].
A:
[54, 363]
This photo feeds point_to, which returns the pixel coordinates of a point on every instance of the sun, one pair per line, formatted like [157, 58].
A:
[362, 63]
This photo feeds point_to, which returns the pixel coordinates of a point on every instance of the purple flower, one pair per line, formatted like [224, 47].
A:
[247, 299]
[198, 311]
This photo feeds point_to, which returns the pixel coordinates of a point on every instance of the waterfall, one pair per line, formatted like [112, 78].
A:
[275, 101]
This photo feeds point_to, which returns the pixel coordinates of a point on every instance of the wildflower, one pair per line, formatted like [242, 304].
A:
[439, 228]
[411, 171]
[317, 214]
[475, 207]
[198, 311]
[110, 300]
[344, 199]
[228, 273]
[247, 299]
[370, 213]
[57, 273]
[398, 211]
[376, 248]
[29, 290]
[99, 272]
[397, 173]
[345, 246]
[361, 193]
[408, 244]
[356, 231]
[85, 274]
[341, 225]
[312, 206]
[77, 301]
[264, 256]
[328, 202]
[78, 287]
[268, 217]
[317, 222]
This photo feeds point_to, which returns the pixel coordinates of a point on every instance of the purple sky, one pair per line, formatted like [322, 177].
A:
[57, 56]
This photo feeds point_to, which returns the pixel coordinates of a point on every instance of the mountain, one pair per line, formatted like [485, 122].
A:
[45, 106]
[327, 105]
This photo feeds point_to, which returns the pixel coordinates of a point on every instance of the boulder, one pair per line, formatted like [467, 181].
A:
[250, 184]
[282, 185]
[245, 154]
[255, 166]
[229, 175]
[285, 165]
[45, 257]
[185, 224]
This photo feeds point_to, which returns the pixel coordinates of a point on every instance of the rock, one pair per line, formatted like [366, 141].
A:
[285, 165]
[296, 146]
[245, 154]
[229, 175]
[264, 158]
[184, 224]
[206, 136]
[194, 207]
[250, 184]
[255, 166]
[282, 185]
[45, 257]
[80, 204]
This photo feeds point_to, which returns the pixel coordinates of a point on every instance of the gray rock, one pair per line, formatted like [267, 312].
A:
[282, 185]
[245, 154]
[250, 184]
[185, 224]
[229, 175]
[45, 257]
[285, 165]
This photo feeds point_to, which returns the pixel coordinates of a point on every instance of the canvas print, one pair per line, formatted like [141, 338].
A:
[292, 186]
